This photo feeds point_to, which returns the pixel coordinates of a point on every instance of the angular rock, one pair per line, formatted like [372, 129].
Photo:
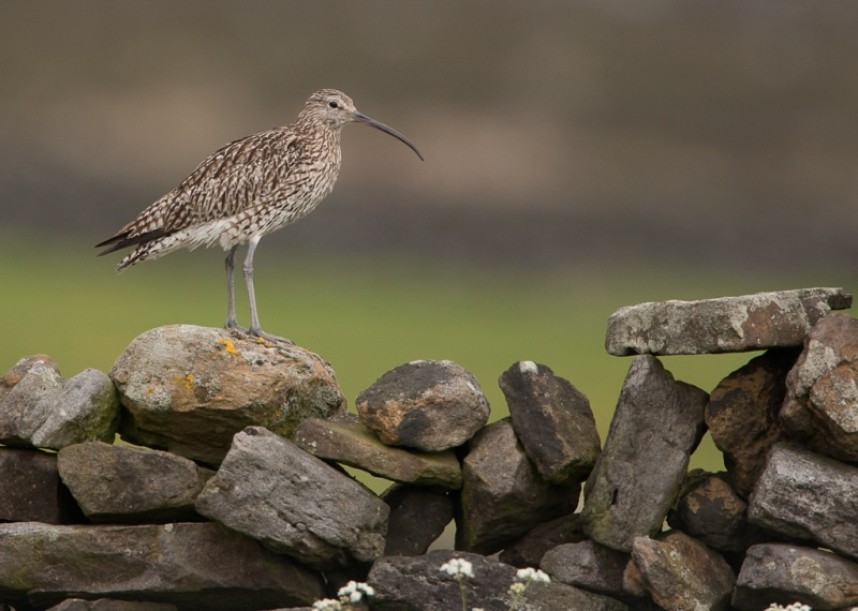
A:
[293, 503]
[657, 424]
[680, 573]
[192, 565]
[743, 415]
[808, 496]
[776, 572]
[126, 484]
[417, 583]
[553, 422]
[426, 405]
[529, 549]
[711, 511]
[30, 488]
[110, 604]
[822, 399]
[502, 494]
[587, 565]
[417, 518]
[345, 440]
[39, 408]
[727, 324]
[189, 389]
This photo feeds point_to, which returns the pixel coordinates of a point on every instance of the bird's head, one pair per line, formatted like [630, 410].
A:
[335, 108]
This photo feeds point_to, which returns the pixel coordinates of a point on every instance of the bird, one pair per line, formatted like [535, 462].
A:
[247, 189]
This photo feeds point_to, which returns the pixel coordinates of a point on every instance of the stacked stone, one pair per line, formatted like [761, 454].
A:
[239, 499]
[781, 524]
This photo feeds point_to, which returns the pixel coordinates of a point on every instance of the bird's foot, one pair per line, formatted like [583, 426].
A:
[236, 329]
[262, 335]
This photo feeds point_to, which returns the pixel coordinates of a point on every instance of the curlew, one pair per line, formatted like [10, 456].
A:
[246, 190]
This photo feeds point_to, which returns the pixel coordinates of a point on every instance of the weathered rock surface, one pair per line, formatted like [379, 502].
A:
[417, 584]
[743, 415]
[110, 604]
[529, 549]
[426, 405]
[780, 573]
[587, 565]
[30, 488]
[553, 422]
[39, 408]
[292, 502]
[125, 484]
[503, 496]
[345, 440]
[727, 324]
[417, 518]
[822, 400]
[658, 423]
[680, 573]
[711, 511]
[808, 496]
[189, 389]
[193, 565]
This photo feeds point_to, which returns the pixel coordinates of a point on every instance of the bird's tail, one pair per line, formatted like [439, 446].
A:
[143, 241]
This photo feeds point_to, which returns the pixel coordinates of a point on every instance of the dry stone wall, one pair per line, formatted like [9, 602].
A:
[226, 489]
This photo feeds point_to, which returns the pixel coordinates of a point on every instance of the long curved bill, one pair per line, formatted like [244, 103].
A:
[359, 116]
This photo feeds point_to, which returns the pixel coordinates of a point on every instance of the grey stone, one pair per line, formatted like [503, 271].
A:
[682, 574]
[426, 405]
[191, 565]
[711, 511]
[30, 488]
[503, 496]
[821, 406]
[189, 389]
[417, 518]
[727, 324]
[587, 565]
[110, 604]
[417, 583]
[781, 573]
[743, 415]
[808, 496]
[126, 484]
[345, 440]
[292, 502]
[553, 422]
[530, 548]
[657, 424]
[39, 408]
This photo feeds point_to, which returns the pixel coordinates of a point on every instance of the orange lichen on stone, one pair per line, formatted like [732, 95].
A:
[228, 345]
[187, 379]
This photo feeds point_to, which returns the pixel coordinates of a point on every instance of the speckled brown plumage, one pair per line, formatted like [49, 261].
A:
[247, 189]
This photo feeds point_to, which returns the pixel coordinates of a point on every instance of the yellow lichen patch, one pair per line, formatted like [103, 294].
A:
[187, 379]
[228, 345]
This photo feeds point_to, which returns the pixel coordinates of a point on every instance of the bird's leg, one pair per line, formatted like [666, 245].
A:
[248, 280]
[255, 328]
[231, 322]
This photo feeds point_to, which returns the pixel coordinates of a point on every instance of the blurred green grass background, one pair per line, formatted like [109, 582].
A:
[365, 316]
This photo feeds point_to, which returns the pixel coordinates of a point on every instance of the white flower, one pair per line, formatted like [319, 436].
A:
[458, 567]
[517, 588]
[327, 604]
[529, 574]
[354, 591]
[792, 607]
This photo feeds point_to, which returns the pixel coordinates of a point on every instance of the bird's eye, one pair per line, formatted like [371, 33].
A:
[333, 105]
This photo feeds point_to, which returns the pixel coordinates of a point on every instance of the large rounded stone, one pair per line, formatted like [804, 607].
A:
[427, 405]
[189, 389]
